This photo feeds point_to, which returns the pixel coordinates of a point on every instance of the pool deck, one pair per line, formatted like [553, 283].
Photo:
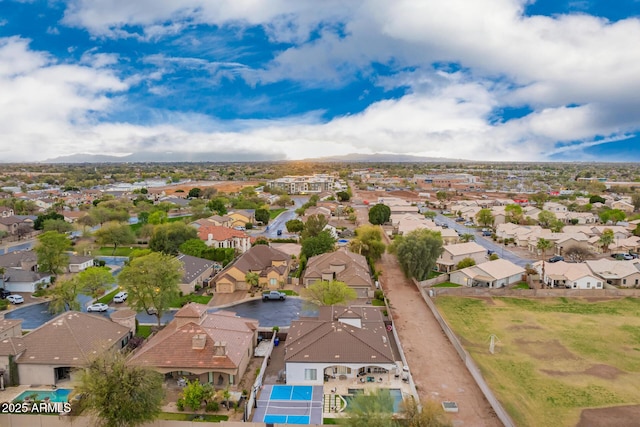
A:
[10, 393]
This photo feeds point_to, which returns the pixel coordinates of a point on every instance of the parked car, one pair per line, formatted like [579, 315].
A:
[15, 299]
[120, 297]
[459, 219]
[4, 293]
[274, 295]
[279, 232]
[469, 224]
[97, 307]
[487, 233]
[556, 258]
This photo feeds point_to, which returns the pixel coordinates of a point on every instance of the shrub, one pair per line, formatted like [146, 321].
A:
[4, 304]
[197, 287]
[378, 294]
[180, 404]
[212, 406]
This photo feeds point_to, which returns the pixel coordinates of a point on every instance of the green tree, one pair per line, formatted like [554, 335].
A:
[418, 251]
[263, 216]
[59, 225]
[371, 409]
[314, 226]
[93, 280]
[195, 393]
[195, 193]
[252, 279]
[151, 282]
[38, 224]
[467, 237]
[442, 196]
[543, 245]
[294, 226]
[368, 242]
[343, 196]
[218, 205]
[284, 200]
[540, 198]
[613, 215]
[596, 199]
[427, 414]
[157, 217]
[431, 215]
[606, 239]
[379, 214]
[118, 394]
[513, 213]
[556, 226]
[116, 234]
[465, 262]
[167, 238]
[329, 293]
[322, 243]
[51, 250]
[64, 296]
[193, 247]
[485, 217]
[635, 200]
[546, 218]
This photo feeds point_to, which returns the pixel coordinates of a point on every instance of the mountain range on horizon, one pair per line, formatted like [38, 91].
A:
[240, 157]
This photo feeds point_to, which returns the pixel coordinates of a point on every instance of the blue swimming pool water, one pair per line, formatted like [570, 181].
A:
[59, 395]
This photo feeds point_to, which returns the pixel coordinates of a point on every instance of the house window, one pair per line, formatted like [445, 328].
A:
[588, 285]
[273, 282]
[624, 281]
[310, 374]
[636, 281]
[598, 284]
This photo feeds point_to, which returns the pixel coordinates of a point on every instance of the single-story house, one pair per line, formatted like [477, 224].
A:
[21, 260]
[213, 348]
[490, 274]
[342, 342]
[195, 272]
[55, 350]
[567, 275]
[242, 217]
[617, 273]
[78, 263]
[16, 280]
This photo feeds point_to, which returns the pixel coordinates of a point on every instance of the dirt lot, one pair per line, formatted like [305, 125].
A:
[437, 370]
[221, 186]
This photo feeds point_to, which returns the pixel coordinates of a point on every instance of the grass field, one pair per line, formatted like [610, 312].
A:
[555, 356]
[275, 212]
[108, 251]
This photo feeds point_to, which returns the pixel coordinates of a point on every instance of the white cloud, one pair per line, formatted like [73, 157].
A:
[578, 72]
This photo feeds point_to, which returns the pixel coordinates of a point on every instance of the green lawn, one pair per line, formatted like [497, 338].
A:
[108, 251]
[289, 292]
[446, 285]
[175, 416]
[377, 303]
[106, 298]
[521, 285]
[433, 274]
[275, 212]
[144, 331]
[554, 356]
[182, 300]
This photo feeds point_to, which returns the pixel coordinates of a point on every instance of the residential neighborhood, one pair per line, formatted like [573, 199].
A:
[176, 288]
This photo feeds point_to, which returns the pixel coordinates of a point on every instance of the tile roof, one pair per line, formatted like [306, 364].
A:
[464, 248]
[8, 324]
[193, 267]
[15, 259]
[71, 339]
[173, 346]
[322, 341]
[219, 233]
[259, 258]
[11, 346]
[355, 272]
[17, 275]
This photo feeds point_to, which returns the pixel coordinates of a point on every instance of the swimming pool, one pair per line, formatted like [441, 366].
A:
[395, 393]
[59, 395]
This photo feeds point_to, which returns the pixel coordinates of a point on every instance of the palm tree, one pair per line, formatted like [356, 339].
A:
[467, 237]
[252, 279]
[543, 245]
[606, 239]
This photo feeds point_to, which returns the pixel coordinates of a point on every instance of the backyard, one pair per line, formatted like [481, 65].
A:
[554, 357]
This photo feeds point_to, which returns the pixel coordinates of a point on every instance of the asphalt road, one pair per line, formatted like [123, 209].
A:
[279, 222]
[484, 242]
[13, 247]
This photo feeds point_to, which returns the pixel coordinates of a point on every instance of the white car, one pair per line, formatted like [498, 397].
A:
[97, 307]
[120, 297]
[15, 299]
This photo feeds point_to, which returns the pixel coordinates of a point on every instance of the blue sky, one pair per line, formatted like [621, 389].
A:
[546, 80]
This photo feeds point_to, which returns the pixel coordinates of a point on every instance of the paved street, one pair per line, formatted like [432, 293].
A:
[279, 222]
[485, 242]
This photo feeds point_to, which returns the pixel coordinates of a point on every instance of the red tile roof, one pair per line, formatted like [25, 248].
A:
[219, 233]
